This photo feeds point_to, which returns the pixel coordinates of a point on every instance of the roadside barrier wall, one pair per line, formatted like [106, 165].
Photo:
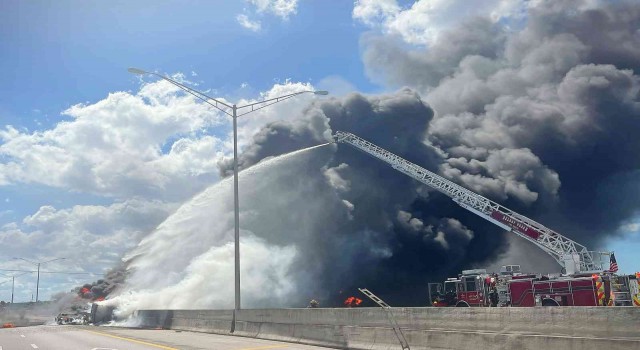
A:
[581, 328]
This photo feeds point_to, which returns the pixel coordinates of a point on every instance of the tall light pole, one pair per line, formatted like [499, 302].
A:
[13, 282]
[38, 263]
[234, 114]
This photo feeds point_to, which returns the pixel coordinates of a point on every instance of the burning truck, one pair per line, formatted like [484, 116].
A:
[94, 293]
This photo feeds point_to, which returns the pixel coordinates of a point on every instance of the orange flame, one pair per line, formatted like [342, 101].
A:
[352, 302]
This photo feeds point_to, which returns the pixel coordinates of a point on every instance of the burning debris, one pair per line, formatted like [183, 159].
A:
[352, 302]
[100, 289]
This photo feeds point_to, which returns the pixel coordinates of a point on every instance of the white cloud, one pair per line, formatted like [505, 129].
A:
[280, 8]
[289, 109]
[114, 147]
[91, 238]
[371, 12]
[425, 19]
[156, 144]
[254, 26]
[85, 233]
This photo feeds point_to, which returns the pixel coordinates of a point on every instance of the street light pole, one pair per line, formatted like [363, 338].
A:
[13, 282]
[234, 115]
[38, 263]
[38, 283]
[236, 208]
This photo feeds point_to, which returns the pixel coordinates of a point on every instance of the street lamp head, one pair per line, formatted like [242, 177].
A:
[136, 71]
[321, 92]
[39, 262]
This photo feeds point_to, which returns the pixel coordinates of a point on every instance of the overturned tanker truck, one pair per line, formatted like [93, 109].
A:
[587, 278]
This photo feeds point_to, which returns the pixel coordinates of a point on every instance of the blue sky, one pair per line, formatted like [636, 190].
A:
[56, 55]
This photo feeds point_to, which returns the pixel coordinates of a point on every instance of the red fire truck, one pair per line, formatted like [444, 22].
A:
[586, 279]
[510, 287]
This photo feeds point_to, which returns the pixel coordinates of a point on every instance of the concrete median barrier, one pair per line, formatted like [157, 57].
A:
[581, 328]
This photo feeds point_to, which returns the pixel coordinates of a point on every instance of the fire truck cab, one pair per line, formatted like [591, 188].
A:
[469, 289]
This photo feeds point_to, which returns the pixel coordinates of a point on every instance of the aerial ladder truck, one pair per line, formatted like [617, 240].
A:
[581, 269]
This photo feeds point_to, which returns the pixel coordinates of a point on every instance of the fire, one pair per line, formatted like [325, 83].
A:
[84, 290]
[352, 302]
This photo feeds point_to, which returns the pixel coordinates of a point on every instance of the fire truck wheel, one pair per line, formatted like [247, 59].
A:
[462, 303]
[549, 302]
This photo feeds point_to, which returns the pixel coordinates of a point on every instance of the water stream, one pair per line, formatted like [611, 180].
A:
[188, 260]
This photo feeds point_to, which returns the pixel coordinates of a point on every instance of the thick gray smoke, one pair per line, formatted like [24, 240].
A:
[378, 228]
[555, 103]
[543, 120]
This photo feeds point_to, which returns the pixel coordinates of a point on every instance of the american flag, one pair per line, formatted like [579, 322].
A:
[613, 265]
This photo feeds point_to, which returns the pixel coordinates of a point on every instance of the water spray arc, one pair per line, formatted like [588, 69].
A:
[226, 109]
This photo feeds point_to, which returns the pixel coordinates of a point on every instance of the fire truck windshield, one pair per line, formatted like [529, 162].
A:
[450, 287]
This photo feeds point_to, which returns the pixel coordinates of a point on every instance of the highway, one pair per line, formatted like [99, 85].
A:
[109, 338]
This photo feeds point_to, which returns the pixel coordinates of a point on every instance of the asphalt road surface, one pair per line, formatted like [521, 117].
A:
[108, 338]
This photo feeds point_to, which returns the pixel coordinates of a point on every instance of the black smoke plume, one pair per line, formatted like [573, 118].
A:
[544, 120]
[100, 289]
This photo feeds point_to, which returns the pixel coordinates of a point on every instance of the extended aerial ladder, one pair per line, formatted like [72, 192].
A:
[572, 256]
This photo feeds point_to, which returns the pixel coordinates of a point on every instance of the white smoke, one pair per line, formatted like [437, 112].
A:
[188, 262]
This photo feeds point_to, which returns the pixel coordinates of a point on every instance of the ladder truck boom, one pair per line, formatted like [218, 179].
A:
[572, 256]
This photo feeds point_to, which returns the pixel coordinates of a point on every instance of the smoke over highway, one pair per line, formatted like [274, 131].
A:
[542, 120]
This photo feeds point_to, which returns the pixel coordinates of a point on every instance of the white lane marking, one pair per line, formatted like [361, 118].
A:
[22, 335]
[34, 346]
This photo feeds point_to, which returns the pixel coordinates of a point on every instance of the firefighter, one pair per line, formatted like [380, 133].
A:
[451, 297]
[493, 297]
[607, 291]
